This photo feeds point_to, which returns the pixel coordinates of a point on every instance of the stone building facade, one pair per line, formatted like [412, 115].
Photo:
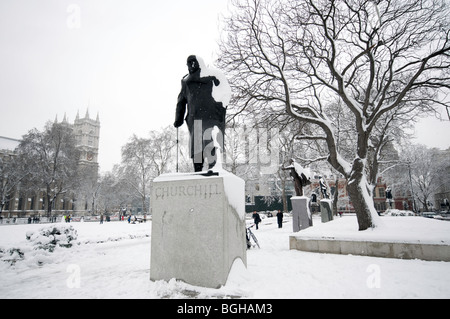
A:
[87, 136]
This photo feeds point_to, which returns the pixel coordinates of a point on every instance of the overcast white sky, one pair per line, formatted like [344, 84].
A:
[122, 59]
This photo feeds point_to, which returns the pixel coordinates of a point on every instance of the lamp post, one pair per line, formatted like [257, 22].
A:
[412, 190]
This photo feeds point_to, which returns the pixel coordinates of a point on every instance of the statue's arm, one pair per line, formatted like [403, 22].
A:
[204, 80]
[214, 79]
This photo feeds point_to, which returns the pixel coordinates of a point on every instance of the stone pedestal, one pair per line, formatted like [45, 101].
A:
[301, 216]
[326, 210]
[198, 228]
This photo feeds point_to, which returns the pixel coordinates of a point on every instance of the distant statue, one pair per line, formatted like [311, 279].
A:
[323, 188]
[389, 196]
[300, 175]
[206, 93]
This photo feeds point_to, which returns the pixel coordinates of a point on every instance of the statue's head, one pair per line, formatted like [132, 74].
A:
[193, 64]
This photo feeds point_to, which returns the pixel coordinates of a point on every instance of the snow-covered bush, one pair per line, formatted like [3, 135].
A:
[11, 255]
[49, 237]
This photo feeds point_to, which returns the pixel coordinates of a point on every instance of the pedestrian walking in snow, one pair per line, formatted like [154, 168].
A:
[280, 219]
[101, 219]
[256, 218]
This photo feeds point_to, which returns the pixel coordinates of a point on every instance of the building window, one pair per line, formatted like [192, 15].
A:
[381, 192]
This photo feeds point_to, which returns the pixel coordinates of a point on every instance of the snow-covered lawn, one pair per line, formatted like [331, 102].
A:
[113, 261]
[392, 228]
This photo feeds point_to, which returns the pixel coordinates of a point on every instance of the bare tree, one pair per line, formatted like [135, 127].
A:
[163, 144]
[427, 170]
[110, 193]
[377, 58]
[11, 175]
[136, 168]
[51, 160]
[143, 159]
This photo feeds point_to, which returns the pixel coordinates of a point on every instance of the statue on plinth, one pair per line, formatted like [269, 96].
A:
[389, 196]
[323, 188]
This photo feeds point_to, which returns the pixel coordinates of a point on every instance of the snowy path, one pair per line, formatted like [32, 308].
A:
[113, 261]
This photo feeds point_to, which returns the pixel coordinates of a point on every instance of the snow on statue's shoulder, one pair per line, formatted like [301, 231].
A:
[222, 92]
[301, 170]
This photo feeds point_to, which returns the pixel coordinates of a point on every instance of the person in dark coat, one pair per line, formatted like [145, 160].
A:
[203, 113]
[280, 219]
[256, 218]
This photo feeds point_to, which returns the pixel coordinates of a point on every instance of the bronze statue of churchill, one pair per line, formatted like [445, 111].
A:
[203, 113]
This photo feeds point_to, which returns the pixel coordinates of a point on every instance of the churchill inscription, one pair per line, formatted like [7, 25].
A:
[198, 191]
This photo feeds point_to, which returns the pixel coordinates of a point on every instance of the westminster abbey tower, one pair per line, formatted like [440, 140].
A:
[87, 134]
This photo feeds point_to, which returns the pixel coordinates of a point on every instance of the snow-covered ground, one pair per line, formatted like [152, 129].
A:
[112, 260]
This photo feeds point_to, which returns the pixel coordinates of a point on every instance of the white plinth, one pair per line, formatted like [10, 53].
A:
[301, 216]
[326, 210]
[198, 228]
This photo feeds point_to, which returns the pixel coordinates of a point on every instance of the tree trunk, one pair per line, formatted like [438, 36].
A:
[283, 196]
[144, 205]
[49, 205]
[336, 195]
[358, 190]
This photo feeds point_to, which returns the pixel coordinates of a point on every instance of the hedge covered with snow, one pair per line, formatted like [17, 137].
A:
[49, 237]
